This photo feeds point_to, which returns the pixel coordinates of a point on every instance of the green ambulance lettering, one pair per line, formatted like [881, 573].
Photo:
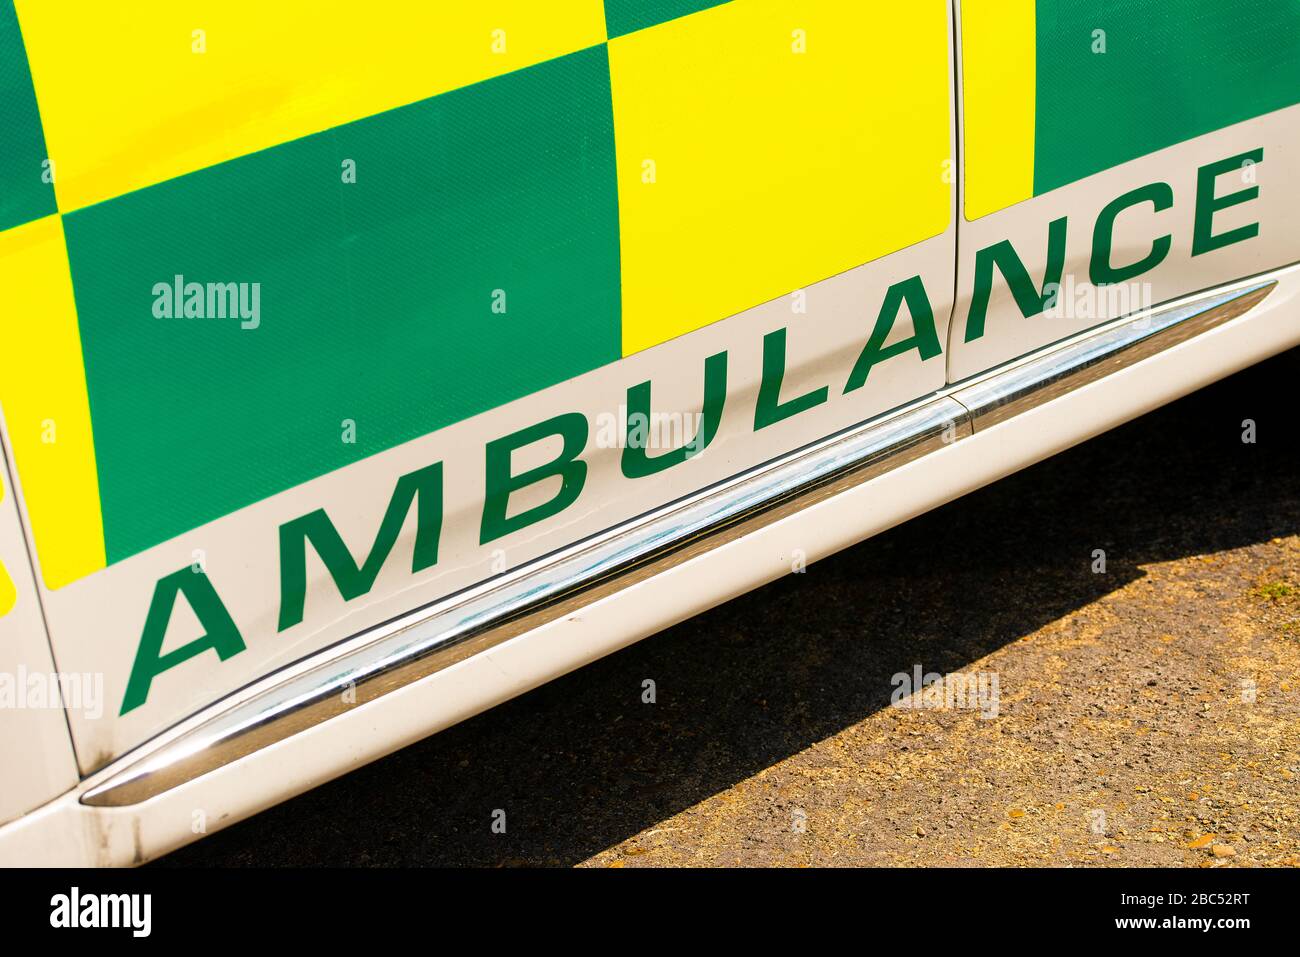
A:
[423, 491]
[422, 488]
[924, 338]
[635, 462]
[1207, 203]
[769, 409]
[571, 427]
[221, 634]
[1032, 301]
[1159, 195]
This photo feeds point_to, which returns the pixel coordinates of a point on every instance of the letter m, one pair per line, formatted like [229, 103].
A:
[422, 488]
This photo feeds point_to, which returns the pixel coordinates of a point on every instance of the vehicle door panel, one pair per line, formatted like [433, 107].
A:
[1158, 138]
[473, 268]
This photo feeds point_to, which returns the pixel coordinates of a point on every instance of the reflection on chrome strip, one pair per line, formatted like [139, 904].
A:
[1070, 367]
[433, 638]
[436, 637]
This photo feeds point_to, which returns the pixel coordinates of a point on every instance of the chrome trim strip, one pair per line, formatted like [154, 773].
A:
[440, 635]
[1066, 368]
[433, 638]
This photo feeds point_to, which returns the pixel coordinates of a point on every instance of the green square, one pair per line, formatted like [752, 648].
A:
[628, 16]
[376, 296]
[26, 192]
[1119, 79]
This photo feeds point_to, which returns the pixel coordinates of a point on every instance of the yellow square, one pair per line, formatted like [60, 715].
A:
[764, 145]
[132, 94]
[999, 91]
[44, 400]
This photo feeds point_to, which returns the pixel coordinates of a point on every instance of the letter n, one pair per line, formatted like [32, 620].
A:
[1004, 257]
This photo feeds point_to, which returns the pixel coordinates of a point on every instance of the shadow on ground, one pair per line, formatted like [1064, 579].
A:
[582, 764]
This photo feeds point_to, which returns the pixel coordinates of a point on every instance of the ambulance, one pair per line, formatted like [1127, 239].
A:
[363, 366]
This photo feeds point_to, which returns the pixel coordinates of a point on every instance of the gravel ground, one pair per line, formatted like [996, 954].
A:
[1146, 715]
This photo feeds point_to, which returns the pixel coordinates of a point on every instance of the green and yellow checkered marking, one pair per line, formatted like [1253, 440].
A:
[612, 174]
[747, 169]
[26, 191]
[43, 396]
[1057, 90]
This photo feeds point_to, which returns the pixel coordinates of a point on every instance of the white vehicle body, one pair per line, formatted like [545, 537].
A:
[843, 410]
